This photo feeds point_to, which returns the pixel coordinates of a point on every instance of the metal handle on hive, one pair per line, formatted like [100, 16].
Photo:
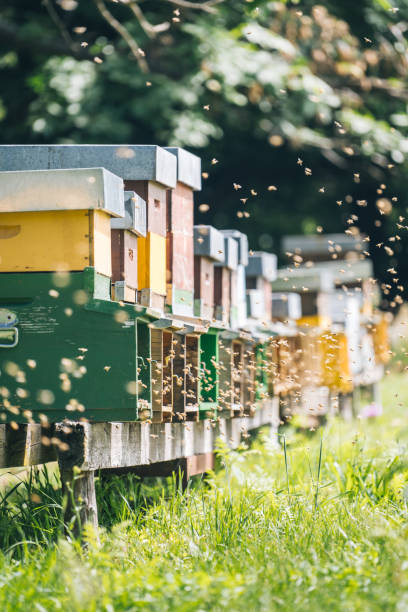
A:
[15, 342]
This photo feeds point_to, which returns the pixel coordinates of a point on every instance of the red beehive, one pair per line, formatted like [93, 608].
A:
[124, 233]
[180, 240]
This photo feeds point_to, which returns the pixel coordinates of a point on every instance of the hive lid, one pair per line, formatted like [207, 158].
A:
[188, 167]
[135, 215]
[262, 264]
[348, 272]
[320, 245]
[286, 306]
[231, 253]
[304, 279]
[209, 242]
[130, 162]
[77, 189]
[242, 241]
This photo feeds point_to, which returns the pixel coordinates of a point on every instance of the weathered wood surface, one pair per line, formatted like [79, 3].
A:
[113, 445]
[81, 507]
[23, 446]
[94, 446]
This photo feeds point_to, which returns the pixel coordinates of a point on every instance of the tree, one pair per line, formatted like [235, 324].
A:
[308, 99]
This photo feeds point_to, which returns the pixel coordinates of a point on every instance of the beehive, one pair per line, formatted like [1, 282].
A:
[204, 287]
[320, 247]
[286, 306]
[58, 220]
[76, 352]
[255, 304]
[147, 170]
[180, 247]
[260, 272]
[238, 286]
[381, 339]
[223, 274]
[315, 288]
[152, 269]
[124, 236]
[336, 373]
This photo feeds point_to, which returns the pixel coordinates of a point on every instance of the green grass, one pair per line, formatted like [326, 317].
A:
[321, 524]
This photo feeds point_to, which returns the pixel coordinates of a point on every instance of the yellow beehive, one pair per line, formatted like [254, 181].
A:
[46, 241]
[336, 372]
[381, 341]
[314, 321]
[151, 261]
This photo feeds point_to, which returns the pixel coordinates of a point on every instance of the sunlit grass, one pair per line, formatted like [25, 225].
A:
[320, 524]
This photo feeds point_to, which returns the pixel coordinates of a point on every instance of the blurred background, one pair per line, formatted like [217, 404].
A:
[298, 110]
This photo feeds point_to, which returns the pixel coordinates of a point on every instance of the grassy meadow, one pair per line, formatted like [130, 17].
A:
[321, 524]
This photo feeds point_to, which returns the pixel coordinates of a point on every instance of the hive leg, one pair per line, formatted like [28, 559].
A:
[81, 508]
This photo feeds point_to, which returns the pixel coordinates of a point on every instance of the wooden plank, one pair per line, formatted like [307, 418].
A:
[179, 365]
[191, 376]
[237, 376]
[91, 446]
[156, 341]
[225, 395]
[144, 370]
[167, 375]
[22, 445]
[248, 378]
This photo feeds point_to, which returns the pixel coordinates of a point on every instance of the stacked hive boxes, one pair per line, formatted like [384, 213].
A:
[286, 307]
[125, 231]
[59, 220]
[260, 272]
[72, 354]
[344, 302]
[180, 241]
[315, 288]
[147, 170]
[223, 272]
[115, 308]
[238, 314]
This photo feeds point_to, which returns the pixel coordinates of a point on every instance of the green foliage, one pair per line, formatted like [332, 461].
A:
[319, 524]
[253, 85]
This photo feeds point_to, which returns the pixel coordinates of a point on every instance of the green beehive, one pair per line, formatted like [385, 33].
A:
[68, 352]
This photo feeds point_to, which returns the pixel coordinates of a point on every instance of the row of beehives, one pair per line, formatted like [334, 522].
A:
[72, 212]
[115, 307]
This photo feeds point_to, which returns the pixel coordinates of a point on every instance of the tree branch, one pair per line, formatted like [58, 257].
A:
[150, 29]
[58, 22]
[120, 29]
